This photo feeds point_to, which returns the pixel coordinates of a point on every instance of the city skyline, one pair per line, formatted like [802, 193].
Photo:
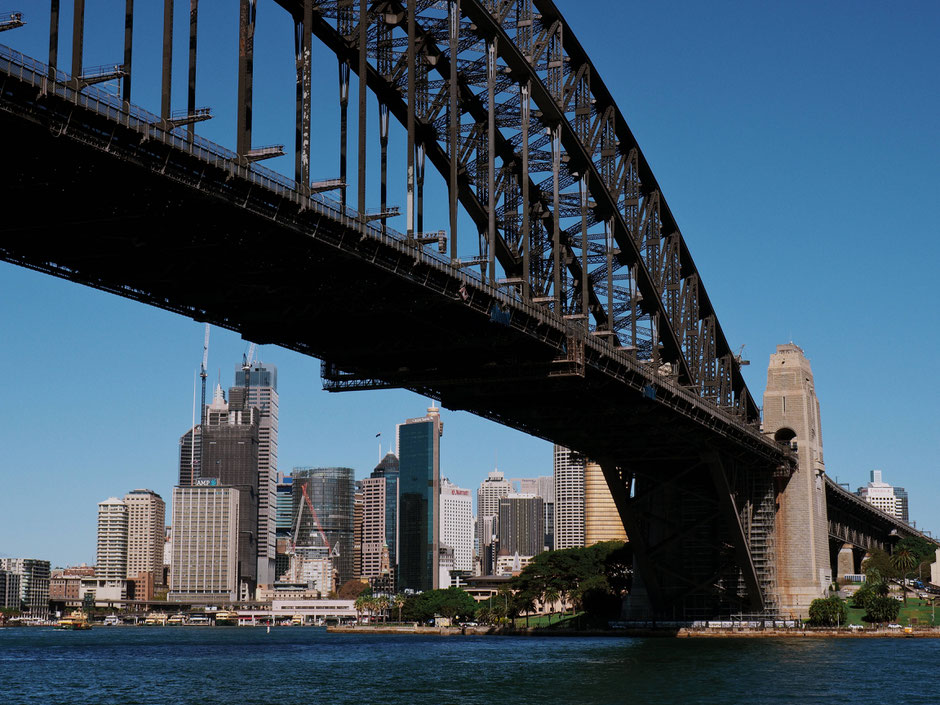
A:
[714, 104]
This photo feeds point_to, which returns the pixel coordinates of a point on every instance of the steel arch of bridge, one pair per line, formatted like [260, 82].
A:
[534, 148]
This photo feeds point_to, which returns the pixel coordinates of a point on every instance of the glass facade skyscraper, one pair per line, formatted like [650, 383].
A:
[331, 492]
[419, 458]
[388, 468]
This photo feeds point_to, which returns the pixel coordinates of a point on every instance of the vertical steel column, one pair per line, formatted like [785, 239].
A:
[78, 36]
[454, 123]
[363, 81]
[419, 172]
[303, 54]
[491, 157]
[383, 144]
[585, 299]
[634, 308]
[410, 123]
[53, 36]
[167, 58]
[128, 49]
[191, 89]
[343, 114]
[526, 226]
[556, 226]
[609, 240]
[246, 47]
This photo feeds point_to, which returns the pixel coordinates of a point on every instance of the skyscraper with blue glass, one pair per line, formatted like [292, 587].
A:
[419, 459]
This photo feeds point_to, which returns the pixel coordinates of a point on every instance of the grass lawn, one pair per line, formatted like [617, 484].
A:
[915, 609]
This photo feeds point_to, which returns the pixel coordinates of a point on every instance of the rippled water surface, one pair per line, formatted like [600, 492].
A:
[241, 665]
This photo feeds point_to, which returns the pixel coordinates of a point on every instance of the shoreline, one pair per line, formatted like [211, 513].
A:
[683, 633]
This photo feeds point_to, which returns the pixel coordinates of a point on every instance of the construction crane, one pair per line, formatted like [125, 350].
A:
[204, 374]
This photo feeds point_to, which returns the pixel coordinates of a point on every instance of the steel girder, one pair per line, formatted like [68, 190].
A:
[537, 153]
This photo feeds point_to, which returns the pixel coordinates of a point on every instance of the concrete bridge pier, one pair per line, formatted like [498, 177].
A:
[791, 415]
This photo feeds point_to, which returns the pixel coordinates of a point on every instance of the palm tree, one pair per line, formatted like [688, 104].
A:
[399, 601]
[383, 604]
[361, 606]
[550, 596]
[903, 561]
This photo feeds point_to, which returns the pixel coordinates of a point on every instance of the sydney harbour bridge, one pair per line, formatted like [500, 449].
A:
[559, 297]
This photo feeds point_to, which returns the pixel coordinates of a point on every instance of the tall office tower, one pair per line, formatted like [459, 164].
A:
[388, 469]
[489, 493]
[457, 524]
[146, 534]
[903, 507]
[358, 511]
[330, 531]
[33, 577]
[885, 497]
[112, 540]
[521, 525]
[800, 539]
[190, 456]
[525, 485]
[419, 457]
[569, 498]
[284, 524]
[205, 545]
[546, 490]
[260, 385]
[10, 590]
[602, 521]
[230, 459]
[375, 549]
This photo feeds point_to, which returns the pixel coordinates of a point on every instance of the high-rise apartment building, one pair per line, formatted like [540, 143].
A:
[521, 525]
[358, 511]
[602, 521]
[491, 490]
[259, 383]
[388, 469]
[206, 545]
[33, 575]
[331, 529]
[889, 499]
[569, 498]
[9, 590]
[111, 563]
[230, 459]
[146, 534]
[457, 524]
[419, 457]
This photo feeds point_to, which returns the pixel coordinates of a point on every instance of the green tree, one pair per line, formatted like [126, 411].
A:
[399, 601]
[904, 561]
[882, 609]
[879, 562]
[828, 612]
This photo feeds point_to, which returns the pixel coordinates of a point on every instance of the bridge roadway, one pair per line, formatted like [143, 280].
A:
[95, 191]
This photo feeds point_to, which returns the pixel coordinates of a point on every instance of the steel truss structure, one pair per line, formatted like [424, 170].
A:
[587, 323]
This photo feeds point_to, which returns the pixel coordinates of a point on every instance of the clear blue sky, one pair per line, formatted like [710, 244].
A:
[796, 144]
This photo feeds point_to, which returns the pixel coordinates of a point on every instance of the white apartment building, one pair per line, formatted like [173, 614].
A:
[112, 540]
[883, 496]
[569, 498]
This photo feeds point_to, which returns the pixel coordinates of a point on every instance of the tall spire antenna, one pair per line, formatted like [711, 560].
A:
[204, 374]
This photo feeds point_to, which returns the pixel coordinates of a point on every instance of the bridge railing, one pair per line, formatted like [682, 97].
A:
[113, 108]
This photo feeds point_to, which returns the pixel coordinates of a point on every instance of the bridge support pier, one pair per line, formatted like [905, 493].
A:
[791, 415]
[701, 530]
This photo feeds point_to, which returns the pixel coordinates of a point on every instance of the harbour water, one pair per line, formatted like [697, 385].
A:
[293, 665]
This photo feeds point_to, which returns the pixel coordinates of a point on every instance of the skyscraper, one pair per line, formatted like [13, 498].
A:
[388, 468]
[375, 550]
[569, 498]
[112, 540]
[457, 524]
[521, 525]
[419, 456]
[330, 530]
[260, 385]
[205, 544]
[489, 493]
[230, 459]
[889, 499]
[146, 534]
[602, 521]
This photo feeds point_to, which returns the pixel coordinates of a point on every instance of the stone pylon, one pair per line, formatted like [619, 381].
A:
[791, 415]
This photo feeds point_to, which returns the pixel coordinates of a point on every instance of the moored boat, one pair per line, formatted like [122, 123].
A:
[226, 618]
[76, 621]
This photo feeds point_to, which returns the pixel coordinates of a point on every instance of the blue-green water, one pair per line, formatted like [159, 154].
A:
[166, 665]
